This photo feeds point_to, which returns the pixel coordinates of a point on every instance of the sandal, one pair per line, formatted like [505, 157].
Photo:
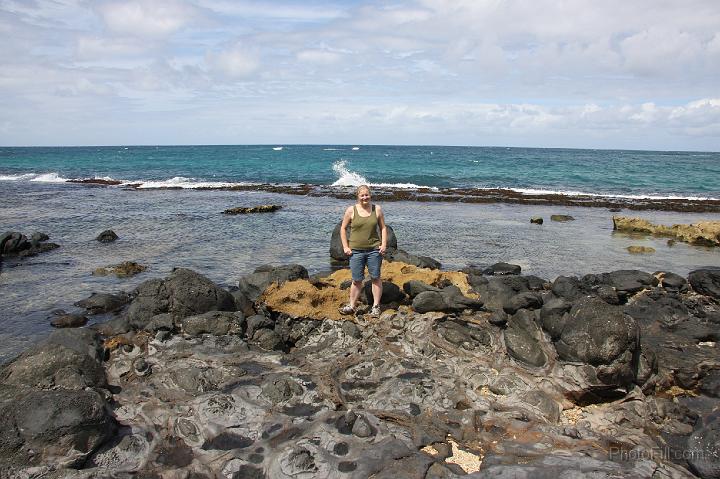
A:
[347, 309]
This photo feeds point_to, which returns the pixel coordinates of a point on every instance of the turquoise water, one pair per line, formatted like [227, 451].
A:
[598, 172]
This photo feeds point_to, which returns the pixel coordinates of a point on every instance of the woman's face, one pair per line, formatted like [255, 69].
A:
[364, 196]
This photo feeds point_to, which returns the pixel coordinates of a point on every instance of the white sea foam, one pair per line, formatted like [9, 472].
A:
[185, 183]
[402, 186]
[332, 149]
[25, 177]
[347, 177]
[533, 191]
[36, 177]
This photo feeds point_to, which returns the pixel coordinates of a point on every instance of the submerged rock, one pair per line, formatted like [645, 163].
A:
[13, 243]
[243, 210]
[122, 270]
[107, 236]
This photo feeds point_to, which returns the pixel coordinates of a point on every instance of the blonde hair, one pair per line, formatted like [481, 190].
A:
[360, 188]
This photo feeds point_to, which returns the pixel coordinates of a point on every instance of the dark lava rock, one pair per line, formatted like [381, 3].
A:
[569, 288]
[113, 327]
[107, 236]
[706, 282]
[629, 281]
[99, 303]
[554, 315]
[253, 285]
[500, 269]
[213, 322]
[160, 322]
[68, 359]
[537, 220]
[608, 294]
[521, 339]
[674, 282]
[456, 301]
[391, 293]
[257, 322]
[13, 242]
[603, 336]
[183, 293]
[704, 450]
[429, 301]
[17, 244]
[351, 329]
[414, 287]
[526, 300]
[42, 427]
[243, 210]
[243, 303]
[268, 340]
[498, 318]
[668, 311]
[498, 289]
[69, 321]
[561, 218]
[405, 257]
[710, 384]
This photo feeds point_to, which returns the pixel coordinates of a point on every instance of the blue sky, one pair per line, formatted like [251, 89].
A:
[611, 74]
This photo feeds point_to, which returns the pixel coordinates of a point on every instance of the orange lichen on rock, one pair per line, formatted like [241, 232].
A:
[303, 299]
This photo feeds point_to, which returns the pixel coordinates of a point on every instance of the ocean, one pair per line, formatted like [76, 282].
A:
[459, 205]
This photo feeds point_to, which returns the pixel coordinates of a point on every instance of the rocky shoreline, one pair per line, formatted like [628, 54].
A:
[483, 372]
[460, 195]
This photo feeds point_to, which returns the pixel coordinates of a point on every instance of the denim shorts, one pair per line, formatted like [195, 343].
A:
[372, 258]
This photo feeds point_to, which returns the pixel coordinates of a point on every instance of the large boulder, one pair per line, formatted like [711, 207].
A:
[497, 290]
[183, 293]
[522, 339]
[68, 359]
[52, 427]
[13, 243]
[391, 293]
[603, 336]
[626, 281]
[253, 285]
[448, 299]
[415, 260]
[706, 281]
[214, 322]
[501, 269]
[336, 249]
[99, 303]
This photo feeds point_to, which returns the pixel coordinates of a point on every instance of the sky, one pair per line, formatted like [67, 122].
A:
[641, 74]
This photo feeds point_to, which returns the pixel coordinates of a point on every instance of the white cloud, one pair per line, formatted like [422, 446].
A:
[323, 57]
[146, 17]
[235, 62]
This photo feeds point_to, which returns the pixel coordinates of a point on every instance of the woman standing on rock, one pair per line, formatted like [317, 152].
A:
[365, 247]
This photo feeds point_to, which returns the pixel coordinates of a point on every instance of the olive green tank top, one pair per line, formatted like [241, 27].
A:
[363, 230]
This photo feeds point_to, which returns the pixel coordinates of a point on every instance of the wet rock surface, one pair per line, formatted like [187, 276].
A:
[609, 375]
[17, 245]
[244, 210]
